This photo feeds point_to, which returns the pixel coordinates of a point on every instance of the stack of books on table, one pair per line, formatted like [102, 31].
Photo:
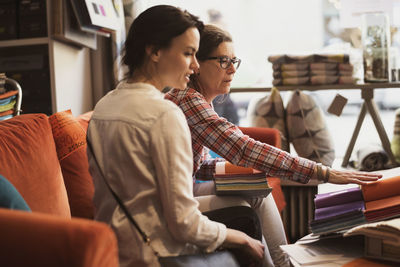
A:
[337, 211]
[233, 180]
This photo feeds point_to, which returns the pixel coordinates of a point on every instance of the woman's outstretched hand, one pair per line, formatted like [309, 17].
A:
[355, 177]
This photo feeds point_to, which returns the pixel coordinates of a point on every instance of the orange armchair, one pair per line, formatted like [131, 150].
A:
[37, 239]
[47, 236]
[272, 137]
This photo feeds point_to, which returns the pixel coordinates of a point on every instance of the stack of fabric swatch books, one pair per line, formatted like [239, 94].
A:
[382, 199]
[235, 180]
[344, 209]
[8, 99]
[313, 69]
[382, 239]
[338, 210]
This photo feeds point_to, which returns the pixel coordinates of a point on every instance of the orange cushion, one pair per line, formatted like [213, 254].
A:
[84, 119]
[36, 240]
[277, 192]
[70, 139]
[29, 161]
[272, 137]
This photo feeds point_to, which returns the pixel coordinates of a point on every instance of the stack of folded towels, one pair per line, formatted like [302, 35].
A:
[8, 100]
[314, 69]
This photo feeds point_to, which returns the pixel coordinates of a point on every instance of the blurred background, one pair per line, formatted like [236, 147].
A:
[265, 27]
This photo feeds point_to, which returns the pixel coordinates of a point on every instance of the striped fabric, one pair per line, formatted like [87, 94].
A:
[253, 185]
[224, 138]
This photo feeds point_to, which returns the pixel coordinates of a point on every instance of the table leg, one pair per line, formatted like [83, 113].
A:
[373, 111]
[356, 131]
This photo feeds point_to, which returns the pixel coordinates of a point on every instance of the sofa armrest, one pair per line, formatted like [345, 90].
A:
[269, 136]
[37, 239]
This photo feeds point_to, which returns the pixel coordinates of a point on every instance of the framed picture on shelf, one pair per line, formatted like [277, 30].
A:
[102, 14]
[66, 27]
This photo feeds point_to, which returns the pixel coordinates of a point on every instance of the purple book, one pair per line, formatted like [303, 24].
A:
[327, 212]
[338, 197]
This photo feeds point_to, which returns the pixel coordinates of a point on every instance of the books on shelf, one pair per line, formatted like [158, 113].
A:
[337, 211]
[382, 199]
[230, 179]
[382, 239]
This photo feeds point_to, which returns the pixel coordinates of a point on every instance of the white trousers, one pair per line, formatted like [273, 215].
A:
[272, 227]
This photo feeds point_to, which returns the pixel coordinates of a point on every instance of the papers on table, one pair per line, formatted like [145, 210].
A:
[325, 252]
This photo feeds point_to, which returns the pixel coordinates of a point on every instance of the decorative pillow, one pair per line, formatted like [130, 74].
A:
[10, 198]
[70, 139]
[268, 112]
[28, 159]
[307, 129]
[84, 119]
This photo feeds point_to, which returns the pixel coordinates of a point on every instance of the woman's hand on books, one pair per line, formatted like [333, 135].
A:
[355, 177]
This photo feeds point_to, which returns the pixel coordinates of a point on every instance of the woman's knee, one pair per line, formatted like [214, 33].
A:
[212, 202]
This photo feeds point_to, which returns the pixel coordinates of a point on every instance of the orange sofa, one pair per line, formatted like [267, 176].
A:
[45, 159]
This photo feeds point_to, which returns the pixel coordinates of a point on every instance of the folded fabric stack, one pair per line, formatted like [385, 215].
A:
[230, 179]
[382, 199]
[314, 69]
[343, 209]
[338, 211]
[7, 100]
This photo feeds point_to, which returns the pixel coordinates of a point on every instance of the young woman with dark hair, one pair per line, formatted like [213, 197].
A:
[142, 145]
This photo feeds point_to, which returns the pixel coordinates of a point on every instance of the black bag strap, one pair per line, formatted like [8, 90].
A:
[146, 239]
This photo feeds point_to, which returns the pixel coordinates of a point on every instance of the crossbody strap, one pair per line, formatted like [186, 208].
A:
[146, 239]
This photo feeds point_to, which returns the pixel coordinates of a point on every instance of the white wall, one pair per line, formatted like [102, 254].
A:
[73, 87]
[261, 28]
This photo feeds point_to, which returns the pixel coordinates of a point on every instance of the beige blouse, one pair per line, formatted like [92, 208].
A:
[142, 143]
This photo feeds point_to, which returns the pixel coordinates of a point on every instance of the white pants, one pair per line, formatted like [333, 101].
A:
[272, 227]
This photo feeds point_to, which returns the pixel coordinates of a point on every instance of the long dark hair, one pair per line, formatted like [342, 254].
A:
[156, 26]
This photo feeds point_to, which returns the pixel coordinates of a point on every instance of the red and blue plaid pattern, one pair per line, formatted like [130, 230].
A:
[227, 140]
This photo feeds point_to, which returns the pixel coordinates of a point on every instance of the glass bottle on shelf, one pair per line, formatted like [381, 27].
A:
[375, 37]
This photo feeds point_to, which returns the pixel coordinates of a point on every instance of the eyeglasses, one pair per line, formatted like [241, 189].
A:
[225, 62]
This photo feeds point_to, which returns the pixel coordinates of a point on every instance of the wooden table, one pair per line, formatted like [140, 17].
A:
[367, 94]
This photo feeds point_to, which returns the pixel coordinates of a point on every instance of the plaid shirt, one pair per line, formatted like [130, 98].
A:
[227, 140]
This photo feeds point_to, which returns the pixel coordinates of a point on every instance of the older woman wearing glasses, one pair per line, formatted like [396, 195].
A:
[218, 64]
